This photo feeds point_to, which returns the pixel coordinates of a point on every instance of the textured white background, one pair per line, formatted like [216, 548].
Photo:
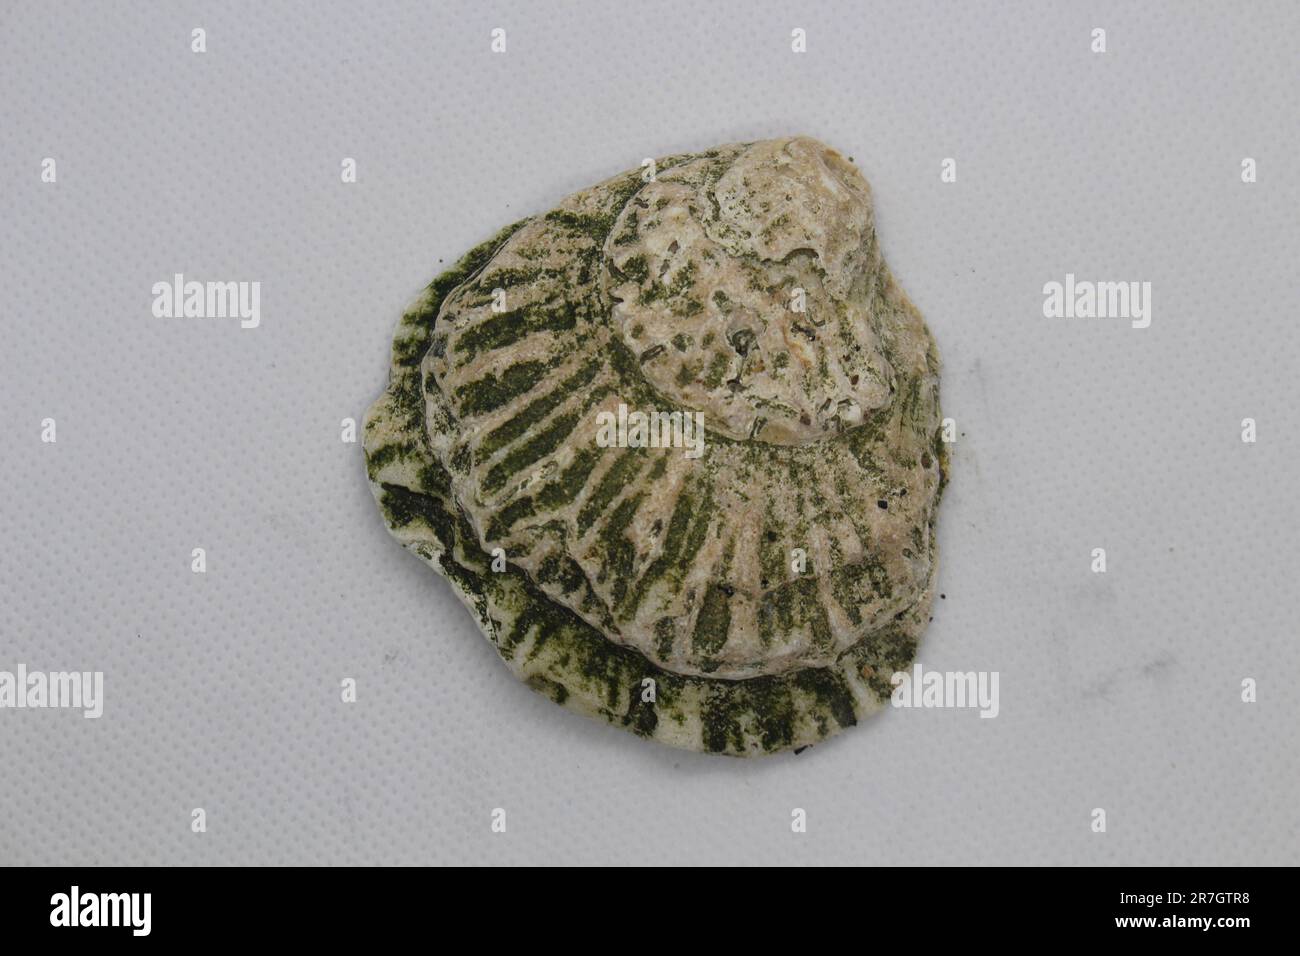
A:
[1118, 691]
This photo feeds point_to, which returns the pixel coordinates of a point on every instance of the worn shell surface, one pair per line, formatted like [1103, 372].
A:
[745, 592]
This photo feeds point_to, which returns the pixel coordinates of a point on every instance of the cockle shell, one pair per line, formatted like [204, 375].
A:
[750, 596]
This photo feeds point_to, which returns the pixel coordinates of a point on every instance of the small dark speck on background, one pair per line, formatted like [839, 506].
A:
[943, 597]
[799, 750]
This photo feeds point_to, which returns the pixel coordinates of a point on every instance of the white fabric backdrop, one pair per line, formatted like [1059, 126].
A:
[1119, 691]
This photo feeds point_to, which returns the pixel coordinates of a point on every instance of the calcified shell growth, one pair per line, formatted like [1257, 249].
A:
[745, 595]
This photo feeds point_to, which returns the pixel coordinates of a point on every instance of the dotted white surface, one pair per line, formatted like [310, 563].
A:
[1119, 691]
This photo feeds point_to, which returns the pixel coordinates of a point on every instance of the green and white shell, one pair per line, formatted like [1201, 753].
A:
[750, 599]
